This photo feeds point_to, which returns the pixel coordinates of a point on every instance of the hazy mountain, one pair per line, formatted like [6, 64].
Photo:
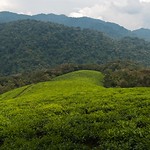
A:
[111, 29]
[142, 33]
[6, 16]
[28, 44]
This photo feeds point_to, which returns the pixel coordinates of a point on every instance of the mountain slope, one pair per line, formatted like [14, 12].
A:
[29, 45]
[75, 112]
[142, 33]
[111, 29]
[6, 16]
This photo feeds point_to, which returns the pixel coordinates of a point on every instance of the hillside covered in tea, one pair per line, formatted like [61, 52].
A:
[75, 111]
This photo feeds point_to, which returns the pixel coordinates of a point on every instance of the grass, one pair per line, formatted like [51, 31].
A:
[75, 111]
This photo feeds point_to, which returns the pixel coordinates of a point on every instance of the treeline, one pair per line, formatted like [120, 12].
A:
[17, 80]
[128, 78]
[117, 74]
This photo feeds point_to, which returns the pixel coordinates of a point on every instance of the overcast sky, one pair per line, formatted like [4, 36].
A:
[131, 14]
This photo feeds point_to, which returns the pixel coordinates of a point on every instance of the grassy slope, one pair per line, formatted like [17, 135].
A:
[75, 111]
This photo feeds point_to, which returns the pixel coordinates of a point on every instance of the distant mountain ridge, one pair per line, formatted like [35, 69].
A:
[111, 29]
[142, 33]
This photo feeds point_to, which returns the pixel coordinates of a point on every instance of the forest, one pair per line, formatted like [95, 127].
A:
[29, 45]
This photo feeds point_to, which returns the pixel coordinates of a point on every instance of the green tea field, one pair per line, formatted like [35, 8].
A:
[75, 112]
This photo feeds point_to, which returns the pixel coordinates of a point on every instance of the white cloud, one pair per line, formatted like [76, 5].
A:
[145, 1]
[76, 14]
[5, 4]
[128, 13]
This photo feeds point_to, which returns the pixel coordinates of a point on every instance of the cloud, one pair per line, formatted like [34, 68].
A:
[130, 14]
[5, 5]
[145, 1]
[38, 6]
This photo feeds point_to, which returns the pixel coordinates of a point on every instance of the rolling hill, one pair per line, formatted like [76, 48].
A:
[74, 111]
[28, 45]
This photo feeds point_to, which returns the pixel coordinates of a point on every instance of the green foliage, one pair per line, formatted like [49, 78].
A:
[117, 74]
[127, 77]
[29, 45]
[74, 111]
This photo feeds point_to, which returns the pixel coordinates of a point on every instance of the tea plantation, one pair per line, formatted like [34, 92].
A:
[75, 112]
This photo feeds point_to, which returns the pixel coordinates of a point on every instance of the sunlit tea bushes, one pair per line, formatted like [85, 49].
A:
[75, 111]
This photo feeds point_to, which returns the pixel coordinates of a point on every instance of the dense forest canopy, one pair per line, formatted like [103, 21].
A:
[29, 45]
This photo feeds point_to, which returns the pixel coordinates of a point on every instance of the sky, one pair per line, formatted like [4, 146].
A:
[132, 14]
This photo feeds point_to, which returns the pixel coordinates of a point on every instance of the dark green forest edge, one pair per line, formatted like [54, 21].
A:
[117, 74]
